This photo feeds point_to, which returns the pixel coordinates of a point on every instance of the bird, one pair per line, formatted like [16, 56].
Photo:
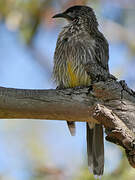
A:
[81, 42]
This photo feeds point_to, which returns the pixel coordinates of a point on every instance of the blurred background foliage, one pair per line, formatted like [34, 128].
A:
[44, 150]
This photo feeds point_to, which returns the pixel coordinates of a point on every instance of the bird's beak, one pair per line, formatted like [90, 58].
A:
[63, 15]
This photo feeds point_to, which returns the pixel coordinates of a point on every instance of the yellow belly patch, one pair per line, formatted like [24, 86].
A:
[73, 79]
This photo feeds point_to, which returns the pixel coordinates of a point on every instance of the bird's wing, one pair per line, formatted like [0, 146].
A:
[102, 50]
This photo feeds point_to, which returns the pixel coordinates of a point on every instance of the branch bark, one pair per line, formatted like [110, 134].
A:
[67, 104]
[108, 102]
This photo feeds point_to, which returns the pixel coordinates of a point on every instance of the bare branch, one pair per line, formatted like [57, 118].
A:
[68, 104]
[108, 102]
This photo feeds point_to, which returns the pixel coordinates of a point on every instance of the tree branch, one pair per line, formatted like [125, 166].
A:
[67, 104]
[117, 132]
[108, 102]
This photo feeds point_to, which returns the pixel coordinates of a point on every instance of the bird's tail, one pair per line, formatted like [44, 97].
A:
[95, 149]
[71, 127]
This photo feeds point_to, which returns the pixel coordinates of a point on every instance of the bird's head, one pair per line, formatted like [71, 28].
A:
[79, 13]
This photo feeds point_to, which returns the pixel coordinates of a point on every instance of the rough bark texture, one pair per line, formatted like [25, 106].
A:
[108, 102]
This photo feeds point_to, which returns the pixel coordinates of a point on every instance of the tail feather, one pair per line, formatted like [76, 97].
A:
[98, 150]
[89, 147]
[95, 149]
[71, 127]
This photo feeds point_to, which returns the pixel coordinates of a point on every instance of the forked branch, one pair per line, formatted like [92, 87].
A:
[108, 102]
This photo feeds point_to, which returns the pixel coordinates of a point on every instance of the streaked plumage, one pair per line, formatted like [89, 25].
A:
[79, 43]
